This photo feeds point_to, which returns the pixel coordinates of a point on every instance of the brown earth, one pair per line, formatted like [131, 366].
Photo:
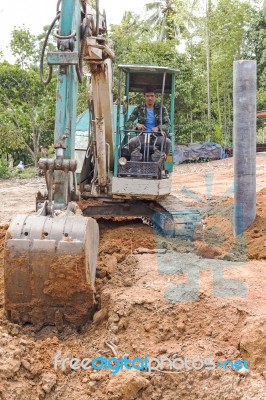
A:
[218, 235]
[135, 317]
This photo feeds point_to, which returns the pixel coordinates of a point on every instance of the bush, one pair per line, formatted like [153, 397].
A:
[4, 170]
[197, 130]
[28, 173]
[218, 135]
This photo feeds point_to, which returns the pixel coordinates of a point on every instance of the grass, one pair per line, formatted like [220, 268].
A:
[29, 172]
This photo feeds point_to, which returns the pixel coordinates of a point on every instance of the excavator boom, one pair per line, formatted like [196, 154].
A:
[50, 258]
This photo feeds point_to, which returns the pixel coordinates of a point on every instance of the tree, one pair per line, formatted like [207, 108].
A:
[133, 45]
[162, 16]
[217, 42]
[27, 48]
[172, 19]
[126, 35]
[23, 46]
[125, 38]
[254, 48]
[27, 110]
[228, 22]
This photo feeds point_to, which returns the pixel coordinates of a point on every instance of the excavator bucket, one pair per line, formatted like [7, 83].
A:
[50, 265]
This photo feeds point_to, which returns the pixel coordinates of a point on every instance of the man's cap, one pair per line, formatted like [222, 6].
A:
[149, 89]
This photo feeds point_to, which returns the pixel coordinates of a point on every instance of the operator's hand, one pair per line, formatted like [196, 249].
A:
[140, 127]
[156, 129]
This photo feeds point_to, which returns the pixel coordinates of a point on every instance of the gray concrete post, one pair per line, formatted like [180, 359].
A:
[244, 144]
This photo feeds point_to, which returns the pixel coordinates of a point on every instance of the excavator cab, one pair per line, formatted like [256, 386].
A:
[148, 162]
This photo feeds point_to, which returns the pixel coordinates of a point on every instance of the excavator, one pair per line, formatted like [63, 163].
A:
[50, 257]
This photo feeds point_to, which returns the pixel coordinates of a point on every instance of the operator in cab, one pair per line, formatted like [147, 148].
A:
[148, 118]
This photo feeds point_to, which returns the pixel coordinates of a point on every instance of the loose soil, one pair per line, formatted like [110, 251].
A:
[137, 271]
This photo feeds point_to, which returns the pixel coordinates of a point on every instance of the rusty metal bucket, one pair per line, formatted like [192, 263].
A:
[49, 269]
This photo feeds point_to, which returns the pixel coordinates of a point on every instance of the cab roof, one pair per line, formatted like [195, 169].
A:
[141, 76]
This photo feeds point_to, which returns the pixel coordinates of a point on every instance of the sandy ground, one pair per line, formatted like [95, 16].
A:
[202, 300]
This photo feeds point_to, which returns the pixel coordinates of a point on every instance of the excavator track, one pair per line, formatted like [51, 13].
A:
[50, 265]
[179, 221]
[169, 215]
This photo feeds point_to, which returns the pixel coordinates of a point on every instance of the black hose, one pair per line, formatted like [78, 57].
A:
[57, 6]
[72, 34]
[46, 81]
[78, 67]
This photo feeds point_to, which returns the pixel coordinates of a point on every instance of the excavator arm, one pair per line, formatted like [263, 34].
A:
[50, 258]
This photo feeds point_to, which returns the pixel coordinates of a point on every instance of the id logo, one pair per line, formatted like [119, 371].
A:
[214, 247]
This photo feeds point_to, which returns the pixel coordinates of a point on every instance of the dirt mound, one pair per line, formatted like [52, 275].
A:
[253, 342]
[122, 238]
[256, 233]
[218, 239]
[135, 319]
[118, 241]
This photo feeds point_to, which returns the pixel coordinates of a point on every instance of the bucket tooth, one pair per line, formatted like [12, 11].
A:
[50, 266]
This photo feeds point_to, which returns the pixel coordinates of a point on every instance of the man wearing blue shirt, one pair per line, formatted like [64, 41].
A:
[148, 119]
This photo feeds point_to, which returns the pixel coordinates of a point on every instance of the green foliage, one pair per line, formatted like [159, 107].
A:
[127, 35]
[39, 42]
[172, 19]
[23, 46]
[261, 99]
[27, 48]
[82, 103]
[235, 30]
[162, 18]
[261, 133]
[261, 105]
[194, 131]
[4, 170]
[27, 109]
[190, 100]
[218, 134]
[154, 53]
[255, 44]
[27, 173]
[228, 21]
[10, 138]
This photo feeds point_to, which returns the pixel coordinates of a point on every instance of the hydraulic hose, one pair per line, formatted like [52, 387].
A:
[57, 6]
[46, 81]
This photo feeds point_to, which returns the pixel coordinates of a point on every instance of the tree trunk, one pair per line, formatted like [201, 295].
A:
[191, 132]
[208, 62]
[225, 108]
[218, 103]
[35, 148]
